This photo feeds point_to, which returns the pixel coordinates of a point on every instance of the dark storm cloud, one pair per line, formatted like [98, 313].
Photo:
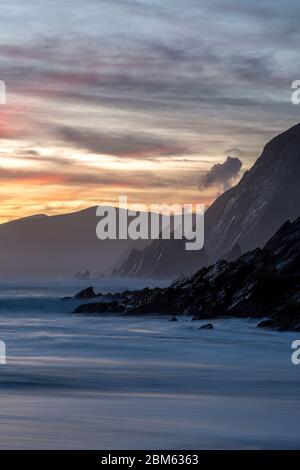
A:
[203, 71]
[119, 144]
[222, 173]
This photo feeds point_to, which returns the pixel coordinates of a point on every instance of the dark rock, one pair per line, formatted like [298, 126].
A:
[173, 319]
[286, 318]
[207, 326]
[102, 307]
[87, 293]
[261, 283]
[233, 254]
[266, 324]
[84, 275]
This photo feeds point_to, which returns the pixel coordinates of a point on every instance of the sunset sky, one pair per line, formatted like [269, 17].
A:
[138, 97]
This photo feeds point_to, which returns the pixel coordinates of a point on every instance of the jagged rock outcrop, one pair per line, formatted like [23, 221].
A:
[246, 215]
[100, 307]
[87, 293]
[261, 283]
[234, 253]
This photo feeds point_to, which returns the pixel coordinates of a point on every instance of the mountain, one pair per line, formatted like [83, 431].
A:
[163, 259]
[242, 218]
[261, 283]
[60, 245]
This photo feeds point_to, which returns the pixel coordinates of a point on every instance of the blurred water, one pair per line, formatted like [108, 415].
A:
[111, 382]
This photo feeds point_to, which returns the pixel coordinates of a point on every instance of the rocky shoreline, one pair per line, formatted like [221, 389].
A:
[263, 283]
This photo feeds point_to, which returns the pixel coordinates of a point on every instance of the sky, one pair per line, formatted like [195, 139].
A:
[144, 98]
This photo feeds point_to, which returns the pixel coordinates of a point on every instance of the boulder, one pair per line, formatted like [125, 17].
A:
[87, 293]
[100, 307]
[207, 326]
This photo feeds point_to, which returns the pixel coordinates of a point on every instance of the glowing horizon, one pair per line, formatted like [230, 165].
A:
[141, 98]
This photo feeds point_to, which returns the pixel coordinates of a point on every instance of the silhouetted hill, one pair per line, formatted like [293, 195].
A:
[245, 215]
[60, 245]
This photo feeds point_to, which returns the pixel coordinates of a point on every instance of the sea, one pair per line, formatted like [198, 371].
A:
[115, 382]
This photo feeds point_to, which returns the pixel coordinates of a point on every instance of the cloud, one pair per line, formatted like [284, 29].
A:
[122, 180]
[133, 145]
[145, 80]
[234, 151]
[222, 173]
